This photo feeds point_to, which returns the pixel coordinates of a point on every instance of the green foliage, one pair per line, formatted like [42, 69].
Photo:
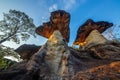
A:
[2, 63]
[6, 51]
[6, 63]
[16, 25]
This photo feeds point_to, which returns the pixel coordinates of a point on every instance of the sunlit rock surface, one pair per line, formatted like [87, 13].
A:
[59, 20]
[55, 55]
[56, 61]
[94, 38]
[85, 29]
[105, 72]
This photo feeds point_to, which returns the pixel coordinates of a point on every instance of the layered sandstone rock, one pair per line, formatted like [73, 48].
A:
[56, 61]
[104, 72]
[94, 38]
[109, 50]
[87, 27]
[55, 55]
[59, 20]
[27, 50]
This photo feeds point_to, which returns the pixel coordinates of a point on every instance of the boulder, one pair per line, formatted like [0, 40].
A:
[27, 50]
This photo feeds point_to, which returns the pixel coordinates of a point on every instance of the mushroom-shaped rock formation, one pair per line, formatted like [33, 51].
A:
[56, 61]
[87, 27]
[59, 20]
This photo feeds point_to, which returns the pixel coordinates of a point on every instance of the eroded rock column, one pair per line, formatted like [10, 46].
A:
[55, 55]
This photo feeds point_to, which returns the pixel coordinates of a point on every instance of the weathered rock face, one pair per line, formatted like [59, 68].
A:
[56, 61]
[58, 54]
[94, 38]
[87, 27]
[55, 54]
[59, 20]
[104, 72]
[110, 51]
[27, 50]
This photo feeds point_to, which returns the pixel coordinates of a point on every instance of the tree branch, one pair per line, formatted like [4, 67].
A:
[16, 29]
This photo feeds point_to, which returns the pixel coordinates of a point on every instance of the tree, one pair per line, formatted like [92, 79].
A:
[16, 26]
[113, 33]
[6, 52]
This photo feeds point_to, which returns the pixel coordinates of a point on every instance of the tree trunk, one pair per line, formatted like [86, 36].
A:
[5, 39]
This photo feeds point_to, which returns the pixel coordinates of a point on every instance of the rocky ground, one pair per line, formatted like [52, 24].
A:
[97, 59]
[56, 61]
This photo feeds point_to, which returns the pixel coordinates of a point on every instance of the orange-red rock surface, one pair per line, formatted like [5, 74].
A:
[105, 72]
[87, 27]
[55, 60]
[59, 20]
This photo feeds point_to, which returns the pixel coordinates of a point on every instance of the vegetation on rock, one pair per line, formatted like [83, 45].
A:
[6, 51]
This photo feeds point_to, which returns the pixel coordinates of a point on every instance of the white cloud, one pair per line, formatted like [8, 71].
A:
[53, 7]
[11, 44]
[72, 4]
[69, 4]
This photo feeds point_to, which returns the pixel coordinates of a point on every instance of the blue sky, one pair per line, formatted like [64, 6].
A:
[80, 10]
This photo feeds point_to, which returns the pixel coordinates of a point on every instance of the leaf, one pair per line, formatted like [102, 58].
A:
[16, 22]
[24, 37]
